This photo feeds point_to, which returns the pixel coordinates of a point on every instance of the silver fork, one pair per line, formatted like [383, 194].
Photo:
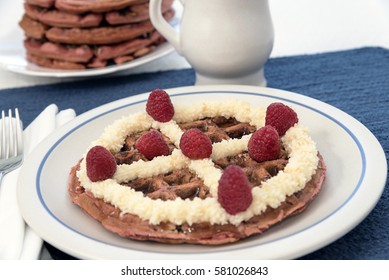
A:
[11, 142]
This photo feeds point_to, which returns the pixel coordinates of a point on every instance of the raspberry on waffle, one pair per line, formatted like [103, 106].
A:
[174, 199]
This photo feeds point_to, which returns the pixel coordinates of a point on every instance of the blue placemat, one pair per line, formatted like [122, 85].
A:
[355, 81]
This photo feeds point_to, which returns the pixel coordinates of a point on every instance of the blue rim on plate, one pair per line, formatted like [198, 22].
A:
[362, 154]
[247, 91]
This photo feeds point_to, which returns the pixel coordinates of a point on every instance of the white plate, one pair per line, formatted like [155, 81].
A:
[13, 59]
[13, 54]
[355, 180]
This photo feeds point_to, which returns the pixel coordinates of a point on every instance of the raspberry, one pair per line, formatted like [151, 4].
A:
[195, 144]
[281, 117]
[264, 144]
[234, 193]
[159, 106]
[100, 164]
[151, 144]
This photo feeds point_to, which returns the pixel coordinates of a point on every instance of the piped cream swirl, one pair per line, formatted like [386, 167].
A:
[302, 164]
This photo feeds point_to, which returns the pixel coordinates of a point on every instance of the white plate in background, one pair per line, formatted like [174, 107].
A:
[13, 55]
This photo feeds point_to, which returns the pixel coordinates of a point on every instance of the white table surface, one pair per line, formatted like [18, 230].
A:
[301, 27]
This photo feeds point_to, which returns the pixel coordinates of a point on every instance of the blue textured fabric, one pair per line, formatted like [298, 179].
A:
[355, 81]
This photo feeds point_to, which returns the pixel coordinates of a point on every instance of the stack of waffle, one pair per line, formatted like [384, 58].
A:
[80, 34]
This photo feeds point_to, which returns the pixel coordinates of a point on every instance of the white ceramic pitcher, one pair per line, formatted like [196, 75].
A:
[225, 41]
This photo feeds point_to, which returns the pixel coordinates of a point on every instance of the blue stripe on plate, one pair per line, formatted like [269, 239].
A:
[349, 132]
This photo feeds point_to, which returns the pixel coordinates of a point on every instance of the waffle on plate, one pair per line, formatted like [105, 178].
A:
[210, 173]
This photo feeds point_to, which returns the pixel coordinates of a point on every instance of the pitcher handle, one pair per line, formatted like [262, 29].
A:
[162, 25]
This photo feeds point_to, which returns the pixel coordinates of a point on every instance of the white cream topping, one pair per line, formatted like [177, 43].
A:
[301, 166]
[115, 134]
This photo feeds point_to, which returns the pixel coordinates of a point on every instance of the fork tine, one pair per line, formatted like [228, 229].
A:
[19, 133]
[3, 135]
[11, 133]
[11, 142]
